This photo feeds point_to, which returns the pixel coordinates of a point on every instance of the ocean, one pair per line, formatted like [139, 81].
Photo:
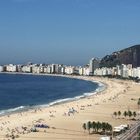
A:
[23, 92]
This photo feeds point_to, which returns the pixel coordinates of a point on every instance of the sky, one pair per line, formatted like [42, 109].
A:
[66, 31]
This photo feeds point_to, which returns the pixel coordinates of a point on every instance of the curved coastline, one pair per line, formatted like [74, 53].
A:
[98, 107]
[101, 87]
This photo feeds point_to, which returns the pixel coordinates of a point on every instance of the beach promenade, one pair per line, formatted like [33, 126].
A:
[64, 121]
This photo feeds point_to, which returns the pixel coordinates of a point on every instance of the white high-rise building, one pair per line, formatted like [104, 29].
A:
[93, 65]
[138, 71]
[1, 68]
[86, 71]
[69, 70]
[26, 68]
[11, 68]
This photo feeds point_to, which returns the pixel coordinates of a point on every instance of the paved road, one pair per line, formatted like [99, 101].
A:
[130, 134]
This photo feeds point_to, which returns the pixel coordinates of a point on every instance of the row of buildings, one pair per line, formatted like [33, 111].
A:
[40, 68]
[125, 71]
[93, 68]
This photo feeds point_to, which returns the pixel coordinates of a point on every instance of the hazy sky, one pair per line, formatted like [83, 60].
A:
[66, 31]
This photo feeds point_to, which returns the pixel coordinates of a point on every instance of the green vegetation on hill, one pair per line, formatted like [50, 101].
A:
[129, 55]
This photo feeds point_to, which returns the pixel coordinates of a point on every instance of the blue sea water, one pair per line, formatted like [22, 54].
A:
[19, 92]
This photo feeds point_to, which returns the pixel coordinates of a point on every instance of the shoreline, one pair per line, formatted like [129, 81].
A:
[101, 87]
[100, 107]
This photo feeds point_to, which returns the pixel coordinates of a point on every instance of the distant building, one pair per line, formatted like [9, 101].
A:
[53, 68]
[26, 69]
[138, 71]
[49, 69]
[93, 65]
[81, 70]
[1, 68]
[63, 70]
[41, 68]
[19, 68]
[118, 70]
[69, 70]
[126, 70]
[86, 71]
[11, 68]
[35, 69]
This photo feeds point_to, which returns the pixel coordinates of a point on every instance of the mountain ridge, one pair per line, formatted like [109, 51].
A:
[130, 55]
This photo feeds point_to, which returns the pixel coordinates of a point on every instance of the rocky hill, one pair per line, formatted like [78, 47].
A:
[129, 55]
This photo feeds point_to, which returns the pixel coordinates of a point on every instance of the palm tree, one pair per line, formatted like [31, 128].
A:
[138, 103]
[108, 127]
[129, 114]
[98, 126]
[134, 114]
[119, 113]
[115, 114]
[103, 126]
[94, 125]
[89, 126]
[84, 127]
[125, 113]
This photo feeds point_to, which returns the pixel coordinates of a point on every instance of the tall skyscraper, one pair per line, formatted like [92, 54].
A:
[93, 65]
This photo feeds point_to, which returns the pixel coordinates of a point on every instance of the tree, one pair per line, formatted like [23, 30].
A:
[115, 114]
[134, 114]
[125, 113]
[94, 125]
[129, 114]
[108, 127]
[89, 126]
[119, 113]
[103, 126]
[98, 126]
[84, 126]
[138, 103]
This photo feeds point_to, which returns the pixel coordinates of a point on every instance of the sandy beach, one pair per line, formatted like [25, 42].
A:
[118, 96]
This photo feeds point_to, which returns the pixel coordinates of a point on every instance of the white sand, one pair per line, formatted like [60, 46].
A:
[100, 107]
